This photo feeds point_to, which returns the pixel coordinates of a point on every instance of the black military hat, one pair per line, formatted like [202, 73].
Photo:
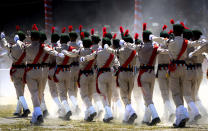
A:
[73, 34]
[64, 37]
[197, 34]
[35, 33]
[177, 27]
[87, 43]
[146, 33]
[187, 34]
[54, 36]
[43, 36]
[164, 33]
[106, 40]
[137, 40]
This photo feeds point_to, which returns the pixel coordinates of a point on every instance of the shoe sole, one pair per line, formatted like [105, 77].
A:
[182, 124]
[91, 117]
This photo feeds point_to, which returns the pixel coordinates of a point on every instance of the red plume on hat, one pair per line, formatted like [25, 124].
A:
[136, 36]
[53, 29]
[172, 21]
[70, 28]
[63, 30]
[144, 26]
[17, 27]
[35, 27]
[92, 31]
[121, 29]
[126, 32]
[80, 28]
[164, 27]
[82, 35]
[184, 25]
[114, 36]
[104, 34]
[170, 32]
[104, 29]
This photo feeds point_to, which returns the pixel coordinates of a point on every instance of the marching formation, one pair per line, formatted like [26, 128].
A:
[101, 69]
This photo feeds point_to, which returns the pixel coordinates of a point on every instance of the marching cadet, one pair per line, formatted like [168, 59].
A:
[52, 64]
[163, 61]
[17, 55]
[189, 81]
[35, 58]
[177, 48]
[105, 63]
[62, 74]
[198, 60]
[96, 97]
[146, 79]
[86, 80]
[45, 70]
[74, 71]
[198, 57]
[125, 77]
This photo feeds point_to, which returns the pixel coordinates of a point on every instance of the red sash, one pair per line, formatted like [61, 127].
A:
[107, 64]
[19, 61]
[151, 60]
[65, 61]
[39, 54]
[88, 67]
[171, 66]
[126, 63]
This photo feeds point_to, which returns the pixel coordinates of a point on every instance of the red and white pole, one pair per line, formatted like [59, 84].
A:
[138, 16]
[48, 15]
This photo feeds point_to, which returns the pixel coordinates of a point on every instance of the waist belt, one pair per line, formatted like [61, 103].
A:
[74, 64]
[104, 70]
[86, 72]
[19, 66]
[162, 66]
[63, 66]
[179, 62]
[35, 65]
[147, 67]
[126, 69]
[198, 65]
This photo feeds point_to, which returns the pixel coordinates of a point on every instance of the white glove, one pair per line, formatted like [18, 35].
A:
[82, 59]
[2, 35]
[150, 37]
[106, 46]
[16, 38]
[190, 55]
[61, 55]
[64, 51]
[121, 43]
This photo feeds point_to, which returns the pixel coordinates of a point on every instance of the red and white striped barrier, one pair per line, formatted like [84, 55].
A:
[48, 15]
[138, 16]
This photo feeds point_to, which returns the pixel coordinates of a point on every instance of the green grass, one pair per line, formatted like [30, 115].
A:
[53, 124]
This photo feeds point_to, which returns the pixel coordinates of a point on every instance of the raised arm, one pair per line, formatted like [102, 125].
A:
[199, 51]
[197, 43]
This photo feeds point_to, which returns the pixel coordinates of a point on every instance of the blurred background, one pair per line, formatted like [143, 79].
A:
[99, 13]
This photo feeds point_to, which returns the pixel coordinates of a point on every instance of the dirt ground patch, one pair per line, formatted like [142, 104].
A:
[9, 122]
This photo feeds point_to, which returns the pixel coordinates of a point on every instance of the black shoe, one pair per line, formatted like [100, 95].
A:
[45, 113]
[67, 116]
[107, 120]
[182, 124]
[17, 114]
[132, 118]
[91, 117]
[25, 113]
[39, 121]
[154, 122]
